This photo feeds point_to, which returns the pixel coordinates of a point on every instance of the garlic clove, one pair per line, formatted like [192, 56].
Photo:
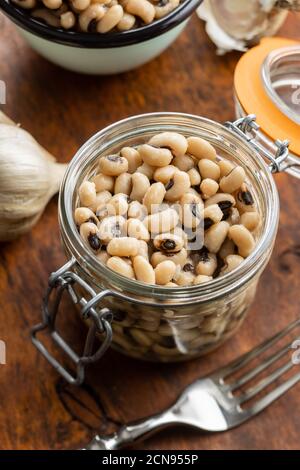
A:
[29, 177]
[239, 24]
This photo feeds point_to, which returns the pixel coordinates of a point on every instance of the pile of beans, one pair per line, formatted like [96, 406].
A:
[98, 16]
[169, 212]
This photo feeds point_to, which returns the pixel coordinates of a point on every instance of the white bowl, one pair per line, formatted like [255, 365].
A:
[104, 54]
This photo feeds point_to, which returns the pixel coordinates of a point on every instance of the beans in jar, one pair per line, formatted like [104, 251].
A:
[98, 16]
[170, 212]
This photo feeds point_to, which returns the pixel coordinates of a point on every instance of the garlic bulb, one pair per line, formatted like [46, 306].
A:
[29, 177]
[239, 24]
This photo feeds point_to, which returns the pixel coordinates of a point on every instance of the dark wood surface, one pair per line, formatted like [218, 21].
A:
[61, 109]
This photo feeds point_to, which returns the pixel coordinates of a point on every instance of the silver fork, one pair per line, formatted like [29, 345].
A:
[209, 403]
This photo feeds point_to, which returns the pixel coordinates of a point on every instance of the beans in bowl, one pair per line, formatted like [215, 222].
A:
[169, 212]
[98, 16]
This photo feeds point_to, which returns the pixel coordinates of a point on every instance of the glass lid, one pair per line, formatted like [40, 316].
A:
[267, 84]
[281, 80]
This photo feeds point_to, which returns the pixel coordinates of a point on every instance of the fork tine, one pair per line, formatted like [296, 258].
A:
[251, 392]
[274, 395]
[239, 363]
[261, 367]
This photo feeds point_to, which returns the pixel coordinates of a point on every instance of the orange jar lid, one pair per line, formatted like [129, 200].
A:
[254, 99]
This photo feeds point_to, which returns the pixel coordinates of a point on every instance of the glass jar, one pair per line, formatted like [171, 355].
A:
[153, 322]
[272, 92]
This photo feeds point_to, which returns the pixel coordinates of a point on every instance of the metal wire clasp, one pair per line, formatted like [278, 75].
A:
[247, 128]
[65, 280]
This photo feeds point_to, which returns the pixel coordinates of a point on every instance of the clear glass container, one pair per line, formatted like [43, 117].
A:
[281, 79]
[272, 92]
[152, 322]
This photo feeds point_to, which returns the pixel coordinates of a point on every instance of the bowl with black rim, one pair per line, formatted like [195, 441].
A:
[101, 54]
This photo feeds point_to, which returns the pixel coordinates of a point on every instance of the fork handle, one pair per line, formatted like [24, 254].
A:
[133, 432]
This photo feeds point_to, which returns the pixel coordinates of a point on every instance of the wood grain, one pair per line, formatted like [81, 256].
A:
[61, 109]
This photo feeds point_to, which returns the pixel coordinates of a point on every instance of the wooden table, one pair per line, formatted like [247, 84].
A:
[62, 110]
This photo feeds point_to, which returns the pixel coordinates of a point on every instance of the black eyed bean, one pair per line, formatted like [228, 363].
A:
[201, 279]
[165, 174]
[87, 193]
[243, 239]
[164, 272]
[103, 256]
[136, 210]
[111, 227]
[94, 12]
[113, 165]
[84, 214]
[209, 188]
[68, 20]
[231, 263]
[221, 199]
[154, 197]
[43, 14]
[215, 236]
[250, 220]
[146, 170]
[141, 8]
[123, 184]
[201, 148]
[156, 157]
[225, 167]
[110, 20]
[144, 272]
[191, 197]
[120, 266]
[90, 234]
[209, 169]
[191, 214]
[179, 232]
[207, 266]
[123, 247]
[103, 183]
[140, 185]
[212, 215]
[80, 5]
[141, 337]
[102, 198]
[161, 222]
[170, 140]
[244, 200]
[184, 278]
[177, 258]
[233, 181]
[164, 7]
[136, 229]
[118, 205]
[26, 4]
[184, 163]
[126, 23]
[234, 216]
[194, 176]
[181, 183]
[228, 248]
[143, 250]
[133, 157]
[168, 243]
